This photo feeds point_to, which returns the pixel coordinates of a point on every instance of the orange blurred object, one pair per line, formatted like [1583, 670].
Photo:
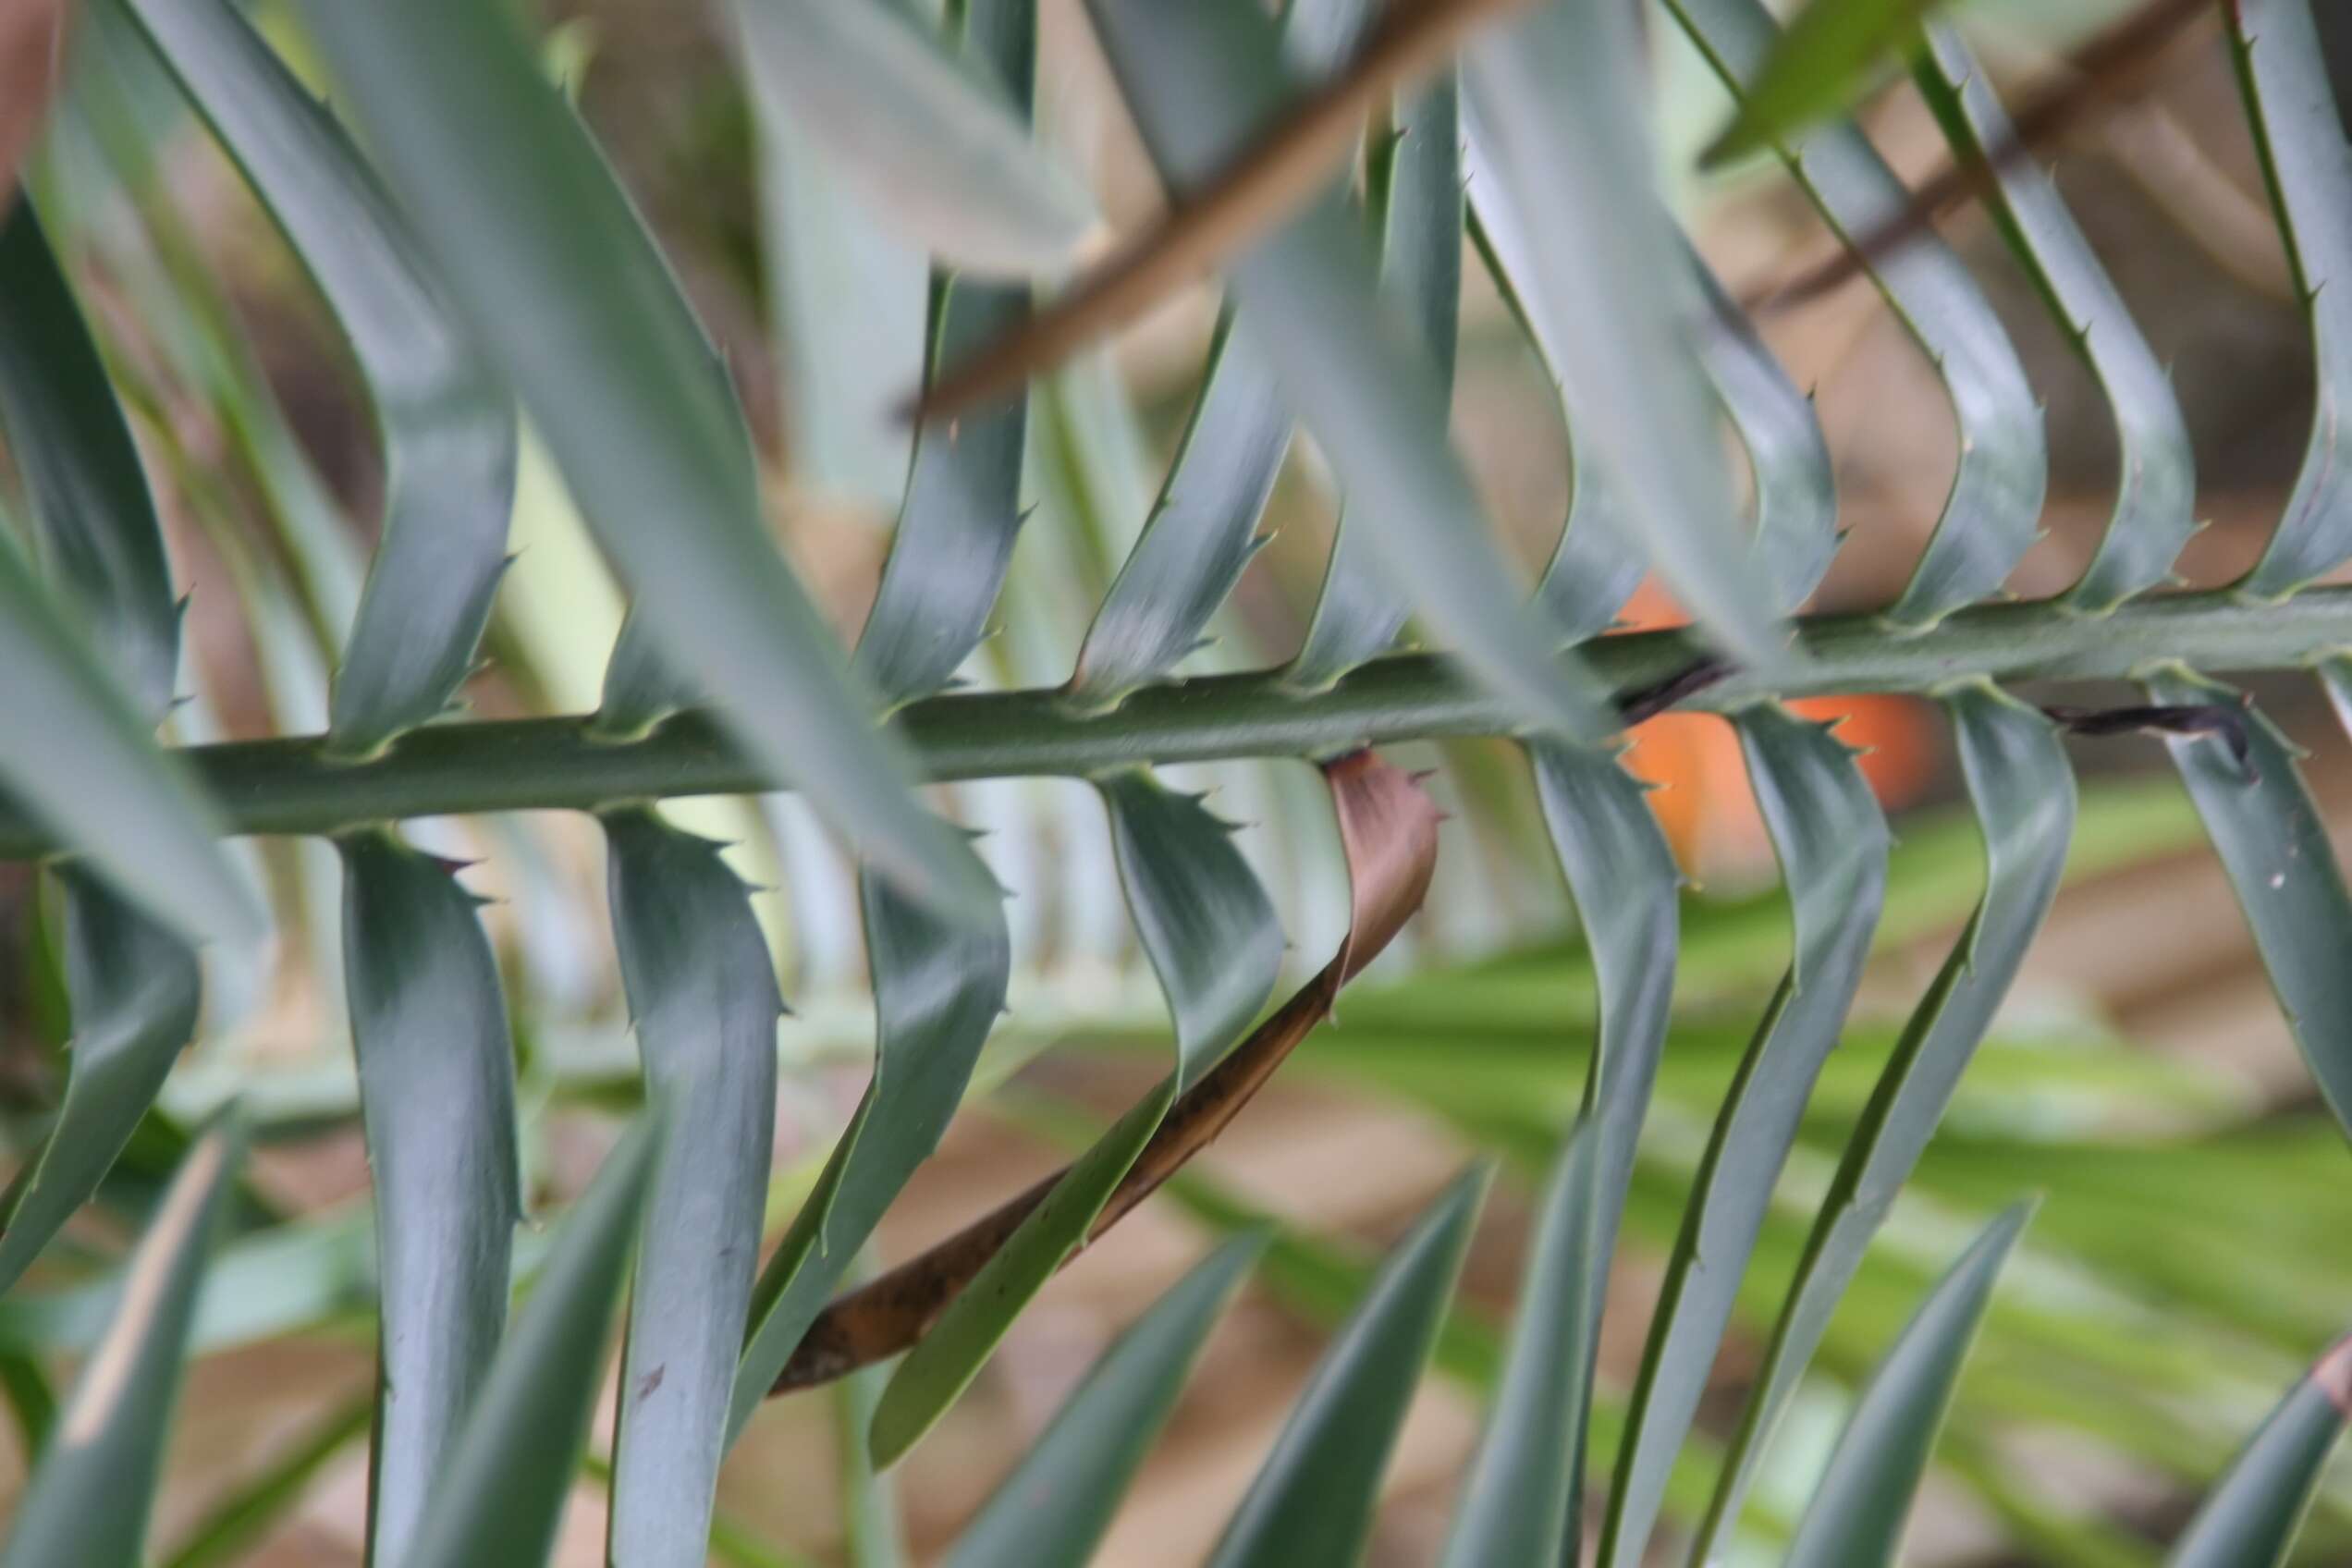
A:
[1705, 804]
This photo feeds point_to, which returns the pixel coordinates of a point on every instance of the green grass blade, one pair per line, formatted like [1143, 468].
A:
[1201, 531]
[1554, 105]
[2299, 134]
[436, 1102]
[963, 506]
[931, 142]
[1832, 845]
[2251, 1516]
[135, 989]
[1520, 1502]
[32, 1403]
[1857, 1516]
[540, 252]
[704, 1000]
[1051, 1512]
[2273, 843]
[503, 1480]
[1412, 183]
[1731, 947]
[2156, 484]
[2023, 792]
[229, 1533]
[873, 1533]
[1991, 515]
[90, 1496]
[1311, 1505]
[938, 990]
[1211, 936]
[77, 745]
[272, 1282]
[1817, 69]
[446, 425]
[1202, 78]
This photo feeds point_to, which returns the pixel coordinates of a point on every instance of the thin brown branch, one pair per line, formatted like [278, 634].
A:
[2116, 65]
[1389, 827]
[1265, 183]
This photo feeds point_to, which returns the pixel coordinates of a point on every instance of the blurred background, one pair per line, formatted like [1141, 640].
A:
[2190, 1258]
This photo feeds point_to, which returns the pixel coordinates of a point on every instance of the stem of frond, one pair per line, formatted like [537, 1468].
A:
[292, 786]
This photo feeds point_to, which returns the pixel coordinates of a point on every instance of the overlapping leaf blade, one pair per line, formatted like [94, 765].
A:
[939, 989]
[2156, 485]
[1554, 107]
[69, 440]
[963, 506]
[1832, 845]
[76, 755]
[1413, 186]
[76, 734]
[2274, 845]
[1212, 938]
[2251, 1516]
[1200, 79]
[1989, 517]
[702, 997]
[930, 142]
[505, 1476]
[1788, 458]
[1857, 1516]
[1520, 1502]
[1201, 531]
[848, 308]
[90, 1497]
[1051, 1512]
[540, 251]
[436, 1103]
[2024, 793]
[1311, 1505]
[1627, 889]
[1626, 886]
[956, 528]
[134, 987]
[448, 426]
[133, 984]
[2299, 133]
[1594, 568]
